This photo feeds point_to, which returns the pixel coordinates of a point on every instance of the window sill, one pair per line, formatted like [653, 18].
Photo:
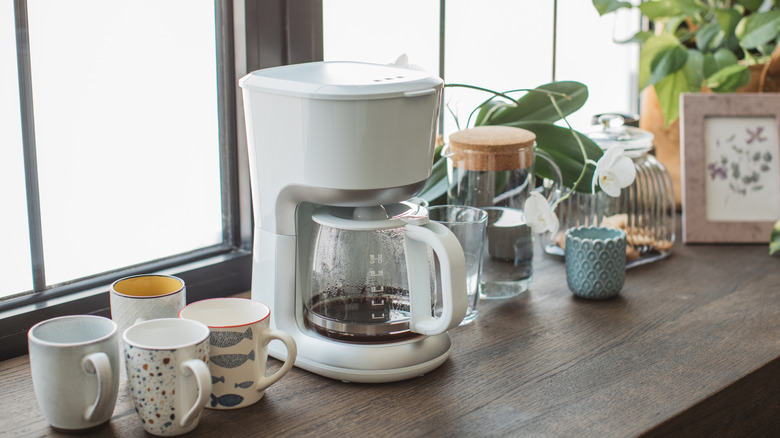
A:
[218, 275]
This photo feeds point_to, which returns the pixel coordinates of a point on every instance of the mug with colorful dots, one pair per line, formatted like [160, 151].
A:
[167, 372]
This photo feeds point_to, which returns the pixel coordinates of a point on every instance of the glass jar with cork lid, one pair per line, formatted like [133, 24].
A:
[492, 167]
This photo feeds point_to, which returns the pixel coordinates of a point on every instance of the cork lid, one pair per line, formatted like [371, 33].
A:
[492, 148]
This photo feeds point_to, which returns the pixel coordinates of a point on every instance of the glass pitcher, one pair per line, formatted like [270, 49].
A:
[493, 168]
[372, 277]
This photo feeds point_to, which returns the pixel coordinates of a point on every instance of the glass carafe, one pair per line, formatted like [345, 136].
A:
[372, 274]
[493, 167]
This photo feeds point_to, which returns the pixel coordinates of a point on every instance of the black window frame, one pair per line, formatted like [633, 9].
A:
[250, 34]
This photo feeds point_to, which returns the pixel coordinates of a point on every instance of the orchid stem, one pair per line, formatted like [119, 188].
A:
[487, 90]
[585, 159]
[505, 94]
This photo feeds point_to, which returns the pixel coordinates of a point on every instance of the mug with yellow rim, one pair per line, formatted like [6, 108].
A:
[144, 297]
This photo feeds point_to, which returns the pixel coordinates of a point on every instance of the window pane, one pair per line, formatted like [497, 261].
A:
[378, 32]
[586, 53]
[497, 44]
[15, 268]
[125, 97]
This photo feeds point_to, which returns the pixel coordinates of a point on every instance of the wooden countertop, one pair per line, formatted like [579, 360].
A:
[691, 348]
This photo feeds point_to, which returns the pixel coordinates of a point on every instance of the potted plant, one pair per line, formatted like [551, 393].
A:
[696, 45]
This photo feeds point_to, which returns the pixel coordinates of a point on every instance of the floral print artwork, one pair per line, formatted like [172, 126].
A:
[741, 178]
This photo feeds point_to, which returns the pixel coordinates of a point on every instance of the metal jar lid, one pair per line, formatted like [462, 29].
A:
[492, 148]
[611, 131]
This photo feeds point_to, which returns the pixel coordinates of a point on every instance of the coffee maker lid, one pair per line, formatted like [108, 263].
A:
[342, 80]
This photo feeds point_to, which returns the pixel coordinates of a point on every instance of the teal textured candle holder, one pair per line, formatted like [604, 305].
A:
[595, 261]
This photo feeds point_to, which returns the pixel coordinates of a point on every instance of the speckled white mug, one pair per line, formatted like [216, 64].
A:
[168, 374]
[143, 297]
[74, 362]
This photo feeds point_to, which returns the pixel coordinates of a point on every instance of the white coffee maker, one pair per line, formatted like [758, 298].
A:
[348, 135]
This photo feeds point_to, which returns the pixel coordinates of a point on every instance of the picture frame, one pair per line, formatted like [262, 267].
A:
[730, 166]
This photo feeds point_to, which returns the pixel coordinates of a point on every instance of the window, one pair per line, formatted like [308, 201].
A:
[126, 141]
[16, 271]
[497, 44]
[119, 154]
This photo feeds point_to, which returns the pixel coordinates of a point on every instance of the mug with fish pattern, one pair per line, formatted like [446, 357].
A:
[240, 333]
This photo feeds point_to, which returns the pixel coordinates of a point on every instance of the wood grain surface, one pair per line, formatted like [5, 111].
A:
[691, 347]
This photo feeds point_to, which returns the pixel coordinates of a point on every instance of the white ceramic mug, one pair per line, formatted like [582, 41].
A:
[143, 297]
[74, 362]
[240, 333]
[167, 372]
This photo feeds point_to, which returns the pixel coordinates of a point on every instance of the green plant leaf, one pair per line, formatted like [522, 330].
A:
[667, 61]
[672, 26]
[758, 29]
[774, 239]
[724, 57]
[639, 37]
[656, 10]
[729, 78]
[650, 49]
[607, 6]
[687, 79]
[767, 49]
[694, 68]
[668, 91]
[709, 65]
[660, 9]
[709, 37]
[538, 107]
[563, 148]
[728, 19]
[751, 5]
[489, 107]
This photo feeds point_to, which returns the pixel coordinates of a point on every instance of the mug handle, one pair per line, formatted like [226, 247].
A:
[98, 364]
[202, 375]
[445, 245]
[292, 353]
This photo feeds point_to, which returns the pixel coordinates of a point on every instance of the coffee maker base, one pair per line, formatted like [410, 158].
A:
[369, 363]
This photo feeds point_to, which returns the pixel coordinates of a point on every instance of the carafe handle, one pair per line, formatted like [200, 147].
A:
[445, 245]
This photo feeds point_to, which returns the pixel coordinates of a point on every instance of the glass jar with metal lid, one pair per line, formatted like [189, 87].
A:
[645, 210]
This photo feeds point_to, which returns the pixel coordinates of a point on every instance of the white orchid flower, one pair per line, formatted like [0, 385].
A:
[539, 215]
[614, 171]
